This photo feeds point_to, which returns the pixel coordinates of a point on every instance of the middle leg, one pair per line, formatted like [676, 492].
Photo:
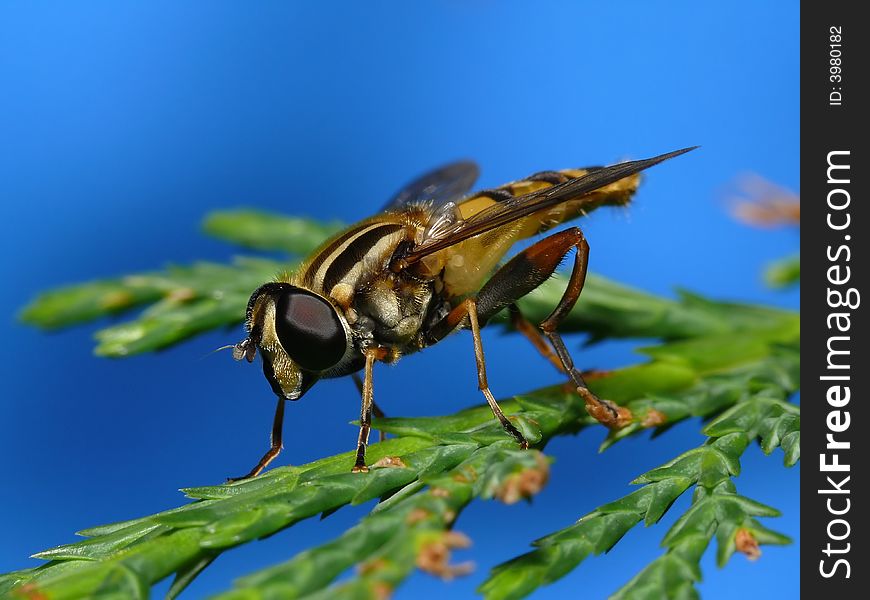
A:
[482, 383]
[527, 271]
[466, 315]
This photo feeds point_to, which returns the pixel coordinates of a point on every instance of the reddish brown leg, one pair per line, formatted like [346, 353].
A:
[539, 341]
[604, 411]
[376, 410]
[522, 274]
[275, 445]
[534, 335]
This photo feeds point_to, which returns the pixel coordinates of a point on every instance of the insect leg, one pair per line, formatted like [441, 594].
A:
[470, 308]
[365, 419]
[604, 411]
[534, 335]
[376, 410]
[527, 271]
[275, 445]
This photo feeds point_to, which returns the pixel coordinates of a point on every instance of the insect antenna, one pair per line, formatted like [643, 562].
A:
[216, 350]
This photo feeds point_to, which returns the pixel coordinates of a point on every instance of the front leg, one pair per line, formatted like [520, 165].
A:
[275, 444]
[365, 419]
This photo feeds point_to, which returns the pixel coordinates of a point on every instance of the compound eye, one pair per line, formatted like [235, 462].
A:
[309, 329]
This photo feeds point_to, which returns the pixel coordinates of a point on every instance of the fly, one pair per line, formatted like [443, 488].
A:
[424, 267]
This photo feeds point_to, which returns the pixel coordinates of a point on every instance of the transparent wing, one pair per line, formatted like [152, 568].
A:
[441, 186]
[518, 207]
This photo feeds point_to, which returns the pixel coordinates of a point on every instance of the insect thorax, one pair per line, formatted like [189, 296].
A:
[390, 312]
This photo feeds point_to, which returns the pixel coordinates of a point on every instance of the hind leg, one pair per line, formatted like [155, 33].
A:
[534, 335]
[522, 274]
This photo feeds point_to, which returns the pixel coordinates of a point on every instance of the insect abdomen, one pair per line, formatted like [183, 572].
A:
[469, 262]
[615, 194]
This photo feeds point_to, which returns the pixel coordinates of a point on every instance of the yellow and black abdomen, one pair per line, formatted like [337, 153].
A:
[468, 263]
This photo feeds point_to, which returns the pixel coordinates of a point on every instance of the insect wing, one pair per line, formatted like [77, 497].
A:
[438, 187]
[518, 207]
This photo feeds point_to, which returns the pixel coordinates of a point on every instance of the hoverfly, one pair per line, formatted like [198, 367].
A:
[421, 269]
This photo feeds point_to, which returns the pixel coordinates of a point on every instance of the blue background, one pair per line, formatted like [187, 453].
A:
[121, 124]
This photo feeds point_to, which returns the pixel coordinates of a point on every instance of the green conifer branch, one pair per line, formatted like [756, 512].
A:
[716, 509]
[736, 363]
